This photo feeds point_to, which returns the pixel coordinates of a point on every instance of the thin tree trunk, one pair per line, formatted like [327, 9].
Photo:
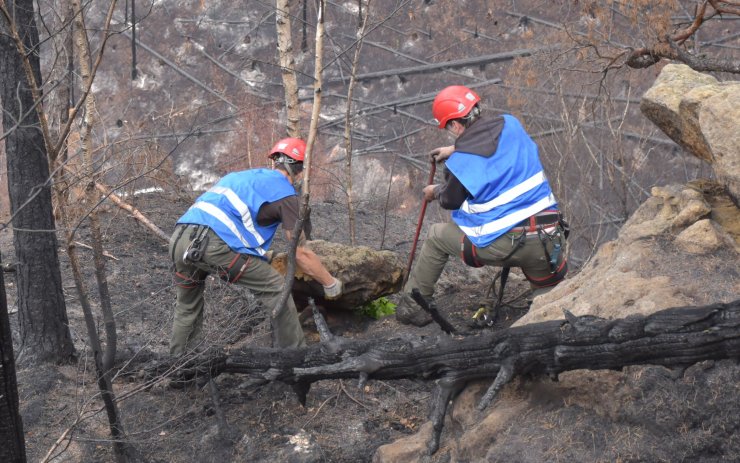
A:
[458, 63]
[65, 97]
[312, 131]
[287, 66]
[361, 29]
[103, 359]
[13, 448]
[83, 54]
[317, 93]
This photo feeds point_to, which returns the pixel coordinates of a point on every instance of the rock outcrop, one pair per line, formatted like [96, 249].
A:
[669, 246]
[701, 114]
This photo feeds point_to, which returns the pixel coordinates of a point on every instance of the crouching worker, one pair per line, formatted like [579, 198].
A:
[228, 232]
[503, 210]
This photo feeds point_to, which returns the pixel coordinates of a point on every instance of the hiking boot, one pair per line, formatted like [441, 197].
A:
[408, 312]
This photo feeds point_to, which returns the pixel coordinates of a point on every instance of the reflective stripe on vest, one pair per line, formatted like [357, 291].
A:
[230, 208]
[507, 196]
[505, 188]
[218, 214]
[504, 224]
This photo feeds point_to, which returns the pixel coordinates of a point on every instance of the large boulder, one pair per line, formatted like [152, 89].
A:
[367, 274]
[678, 238]
[701, 114]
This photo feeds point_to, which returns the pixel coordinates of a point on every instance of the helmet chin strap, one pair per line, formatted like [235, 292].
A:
[292, 174]
[472, 116]
[290, 171]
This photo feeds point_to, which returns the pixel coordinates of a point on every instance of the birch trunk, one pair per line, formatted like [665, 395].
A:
[361, 29]
[287, 66]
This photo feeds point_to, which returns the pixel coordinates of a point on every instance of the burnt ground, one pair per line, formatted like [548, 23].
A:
[643, 414]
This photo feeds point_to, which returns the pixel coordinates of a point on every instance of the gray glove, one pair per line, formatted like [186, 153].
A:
[441, 153]
[334, 290]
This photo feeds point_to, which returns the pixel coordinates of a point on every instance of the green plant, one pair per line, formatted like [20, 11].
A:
[379, 308]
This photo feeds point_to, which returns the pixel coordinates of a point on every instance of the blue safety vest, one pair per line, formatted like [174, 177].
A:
[505, 188]
[230, 208]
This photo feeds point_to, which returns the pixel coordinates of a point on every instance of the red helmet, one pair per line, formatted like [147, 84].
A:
[294, 148]
[453, 102]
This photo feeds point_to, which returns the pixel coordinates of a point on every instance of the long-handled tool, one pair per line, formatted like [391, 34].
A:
[418, 225]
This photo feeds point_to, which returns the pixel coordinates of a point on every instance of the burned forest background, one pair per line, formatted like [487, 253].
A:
[208, 95]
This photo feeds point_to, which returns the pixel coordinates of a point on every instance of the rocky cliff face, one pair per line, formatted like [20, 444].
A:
[701, 114]
[679, 248]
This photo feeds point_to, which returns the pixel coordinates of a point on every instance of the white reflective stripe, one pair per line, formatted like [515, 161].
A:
[219, 215]
[507, 196]
[510, 220]
[240, 206]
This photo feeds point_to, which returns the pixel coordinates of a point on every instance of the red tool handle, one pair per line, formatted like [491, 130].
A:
[418, 224]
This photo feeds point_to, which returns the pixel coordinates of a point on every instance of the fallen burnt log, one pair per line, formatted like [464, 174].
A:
[677, 337]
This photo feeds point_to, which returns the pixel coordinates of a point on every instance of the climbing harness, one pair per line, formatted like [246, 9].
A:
[558, 267]
[198, 243]
[547, 226]
[235, 269]
[198, 278]
[195, 252]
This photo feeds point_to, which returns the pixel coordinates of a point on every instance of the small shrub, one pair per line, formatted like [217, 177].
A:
[379, 308]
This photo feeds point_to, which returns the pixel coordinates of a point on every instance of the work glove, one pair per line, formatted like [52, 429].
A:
[334, 290]
[441, 153]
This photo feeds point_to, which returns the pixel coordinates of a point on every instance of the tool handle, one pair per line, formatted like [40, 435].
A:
[418, 224]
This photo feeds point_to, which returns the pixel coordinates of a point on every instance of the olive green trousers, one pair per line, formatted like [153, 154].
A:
[258, 276]
[444, 240]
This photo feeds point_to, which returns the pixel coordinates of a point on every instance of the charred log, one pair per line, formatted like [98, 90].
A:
[675, 338]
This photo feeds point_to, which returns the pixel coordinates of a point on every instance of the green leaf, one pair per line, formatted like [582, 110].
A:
[379, 308]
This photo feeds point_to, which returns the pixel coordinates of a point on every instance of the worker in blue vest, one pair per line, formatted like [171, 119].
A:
[504, 212]
[228, 232]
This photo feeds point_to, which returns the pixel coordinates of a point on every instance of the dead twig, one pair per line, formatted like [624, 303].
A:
[341, 384]
[105, 253]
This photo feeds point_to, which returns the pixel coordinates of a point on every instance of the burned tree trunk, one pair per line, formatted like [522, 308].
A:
[45, 335]
[676, 337]
[11, 425]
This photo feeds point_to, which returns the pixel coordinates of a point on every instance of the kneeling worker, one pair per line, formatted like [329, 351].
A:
[503, 210]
